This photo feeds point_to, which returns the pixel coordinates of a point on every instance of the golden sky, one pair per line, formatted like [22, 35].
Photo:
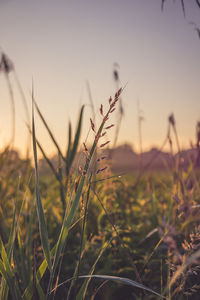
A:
[61, 44]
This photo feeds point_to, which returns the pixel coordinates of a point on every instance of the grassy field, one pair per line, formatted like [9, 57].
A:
[82, 232]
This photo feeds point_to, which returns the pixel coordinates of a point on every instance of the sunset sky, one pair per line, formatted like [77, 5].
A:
[61, 44]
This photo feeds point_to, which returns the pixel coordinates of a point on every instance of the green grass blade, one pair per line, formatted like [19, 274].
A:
[67, 223]
[84, 221]
[48, 129]
[10, 246]
[62, 190]
[45, 156]
[8, 273]
[4, 289]
[22, 260]
[72, 152]
[4, 285]
[29, 242]
[5, 276]
[40, 212]
[48, 160]
[12, 235]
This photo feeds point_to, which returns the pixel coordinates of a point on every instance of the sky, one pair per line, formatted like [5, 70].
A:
[60, 45]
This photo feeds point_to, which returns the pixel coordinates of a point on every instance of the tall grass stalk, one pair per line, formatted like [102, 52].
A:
[69, 216]
[40, 211]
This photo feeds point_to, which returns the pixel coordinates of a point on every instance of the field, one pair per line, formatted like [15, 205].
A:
[83, 232]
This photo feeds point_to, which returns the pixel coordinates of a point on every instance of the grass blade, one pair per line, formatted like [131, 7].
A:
[48, 129]
[45, 156]
[4, 285]
[69, 146]
[7, 272]
[122, 280]
[8, 280]
[67, 224]
[71, 153]
[40, 212]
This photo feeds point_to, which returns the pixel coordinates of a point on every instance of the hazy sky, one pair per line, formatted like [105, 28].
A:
[63, 43]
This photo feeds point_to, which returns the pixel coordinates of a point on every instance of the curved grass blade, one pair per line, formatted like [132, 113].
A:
[45, 156]
[72, 152]
[40, 212]
[122, 280]
[48, 129]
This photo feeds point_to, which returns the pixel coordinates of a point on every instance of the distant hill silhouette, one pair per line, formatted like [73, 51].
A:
[124, 159]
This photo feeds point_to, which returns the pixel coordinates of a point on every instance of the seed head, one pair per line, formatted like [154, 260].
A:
[104, 133]
[108, 127]
[92, 125]
[77, 183]
[5, 64]
[172, 120]
[101, 109]
[102, 145]
[101, 158]
[86, 149]
[101, 170]
[116, 75]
